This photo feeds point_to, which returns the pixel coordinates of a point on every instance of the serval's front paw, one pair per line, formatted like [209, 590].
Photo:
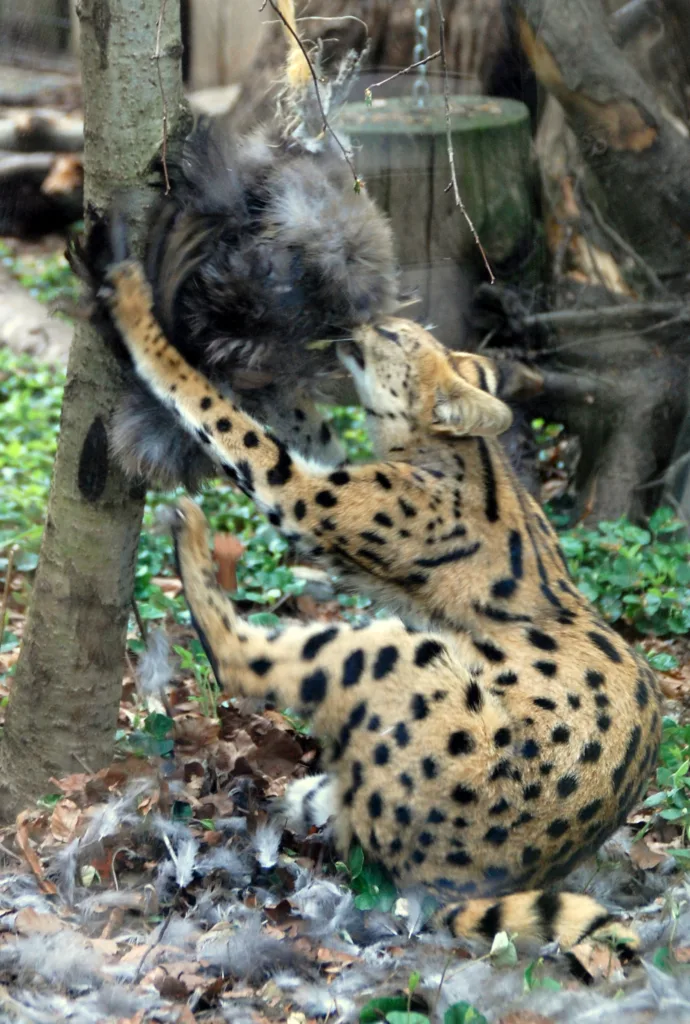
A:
[128, 294]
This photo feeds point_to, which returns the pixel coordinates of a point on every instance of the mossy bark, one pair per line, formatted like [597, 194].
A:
[65, 696]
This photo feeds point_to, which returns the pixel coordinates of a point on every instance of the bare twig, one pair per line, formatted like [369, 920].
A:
[449, 141]
[161, 934]
[157, 58]
[625, 246]
[607, 314]
[140, 622]
[10, 853]
[326, 125]
[9, 572]
[410, 67]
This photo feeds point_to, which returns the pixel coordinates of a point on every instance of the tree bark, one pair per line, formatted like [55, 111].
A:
[639, 159]
[64, 700]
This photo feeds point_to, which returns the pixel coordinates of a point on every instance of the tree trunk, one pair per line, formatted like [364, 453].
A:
[64, 700]
[620, 386]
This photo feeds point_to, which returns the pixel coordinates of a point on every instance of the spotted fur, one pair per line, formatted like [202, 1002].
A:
[495, 733]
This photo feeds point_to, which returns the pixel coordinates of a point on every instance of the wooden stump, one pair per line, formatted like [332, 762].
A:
[402, 155]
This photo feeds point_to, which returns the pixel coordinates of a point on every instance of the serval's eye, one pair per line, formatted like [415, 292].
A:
[391, 335]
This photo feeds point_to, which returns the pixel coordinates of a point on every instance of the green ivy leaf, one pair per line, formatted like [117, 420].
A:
[463, 1013]
[377, 1009]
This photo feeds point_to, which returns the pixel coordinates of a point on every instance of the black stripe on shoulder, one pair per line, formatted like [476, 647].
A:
[490, 493]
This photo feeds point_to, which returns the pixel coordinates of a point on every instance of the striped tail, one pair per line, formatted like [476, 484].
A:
[542, 916]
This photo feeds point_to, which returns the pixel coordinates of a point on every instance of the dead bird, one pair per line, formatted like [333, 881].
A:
[265, 243]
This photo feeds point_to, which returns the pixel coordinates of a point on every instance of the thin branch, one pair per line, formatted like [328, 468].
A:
[157, 58]
[625, 246]
[9, 573]
[326, 125]
[449, 141]
[411, 67]
[607, 314]
[139, 621]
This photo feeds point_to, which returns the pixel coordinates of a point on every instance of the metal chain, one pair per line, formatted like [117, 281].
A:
[420, 89]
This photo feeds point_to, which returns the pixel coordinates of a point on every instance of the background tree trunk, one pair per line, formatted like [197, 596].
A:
[64, 701]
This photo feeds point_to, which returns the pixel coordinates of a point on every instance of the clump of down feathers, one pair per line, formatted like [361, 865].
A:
[262, 246]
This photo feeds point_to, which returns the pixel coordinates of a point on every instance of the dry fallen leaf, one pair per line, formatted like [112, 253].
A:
[65, 821]
[645, 858]
[30, 922]
[22, 825]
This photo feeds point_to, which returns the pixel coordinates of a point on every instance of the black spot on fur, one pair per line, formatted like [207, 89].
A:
[591, 752]
[206, 403]
[383, 519]
[339, 478]
[587, 812]
[381, 754]
[282, 471]
[375, 805]
[300, 509]
[504, 588]
[566, 785]
[557, 828]
[313, 688]
[508, 678]
[459, 858]
[326, 499]
[429, 767]
[317, 642]
[435, 817]
[385, 662]
[383, 481]
[403, 815]
[427, 651]
[561, 734]
[489, 650]
[575, 701]
[605, 646]
[530, 749]
[603, 723]
[474, 698]
[460, 742]
[545, 703]
[502, 737]
[353, 667]
[541, 640]
[419, 707]
[409, 511]
[530, 855]
[594, 679]
[500, 807]
[546, 668]
[261, 666]
[532, 792]
[463, 794]
[250, 439]
[401, 734]
[642, 694]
